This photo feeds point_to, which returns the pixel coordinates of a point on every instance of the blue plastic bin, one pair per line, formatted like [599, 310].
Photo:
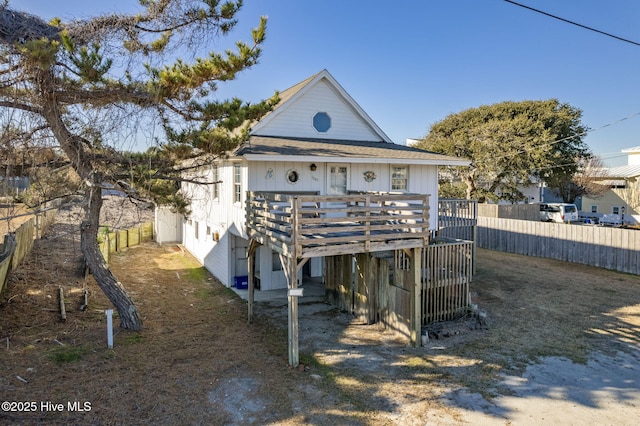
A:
[241, 282]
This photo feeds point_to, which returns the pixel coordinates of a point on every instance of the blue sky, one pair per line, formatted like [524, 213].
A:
[410, 63]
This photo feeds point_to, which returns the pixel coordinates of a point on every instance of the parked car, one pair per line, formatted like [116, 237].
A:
[558, 212]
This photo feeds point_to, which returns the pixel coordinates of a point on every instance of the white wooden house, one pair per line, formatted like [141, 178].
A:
[320, 190]
[317, 140]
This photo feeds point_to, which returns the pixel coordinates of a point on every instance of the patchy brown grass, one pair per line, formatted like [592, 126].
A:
[197, 361]
[539, 308]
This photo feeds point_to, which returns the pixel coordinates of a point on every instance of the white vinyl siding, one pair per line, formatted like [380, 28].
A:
[297, 120]
[272, 176]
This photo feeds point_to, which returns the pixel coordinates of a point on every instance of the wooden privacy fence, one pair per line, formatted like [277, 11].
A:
[112, 242]
[611, 248]
[17, 245]
[6, 254]
[510, 211]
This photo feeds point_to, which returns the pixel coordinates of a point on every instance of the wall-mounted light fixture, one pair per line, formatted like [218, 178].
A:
[313, 167]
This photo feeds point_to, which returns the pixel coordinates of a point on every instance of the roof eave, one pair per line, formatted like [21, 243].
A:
[356, 160]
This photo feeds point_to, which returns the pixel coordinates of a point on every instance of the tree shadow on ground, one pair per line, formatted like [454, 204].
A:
[559, 333]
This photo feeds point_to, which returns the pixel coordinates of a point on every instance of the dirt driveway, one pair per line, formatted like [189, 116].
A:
[562, 347]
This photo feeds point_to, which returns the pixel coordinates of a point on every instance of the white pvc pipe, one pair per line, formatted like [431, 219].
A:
[109, 313]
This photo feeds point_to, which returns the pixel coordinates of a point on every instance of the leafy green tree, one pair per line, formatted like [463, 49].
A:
[88, 83]
[449, 189]
[510, 144]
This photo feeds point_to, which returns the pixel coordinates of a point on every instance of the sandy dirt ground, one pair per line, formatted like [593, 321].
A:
[562, 346]
[452, 388]
[604, 391]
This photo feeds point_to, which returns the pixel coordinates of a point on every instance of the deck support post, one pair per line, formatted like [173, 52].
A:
[294, 355]
[251, 254]
[416, 297]
[291, 266]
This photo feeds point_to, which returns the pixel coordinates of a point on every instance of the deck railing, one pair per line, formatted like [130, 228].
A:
[313, 225]
[457, 218]
[446, 274]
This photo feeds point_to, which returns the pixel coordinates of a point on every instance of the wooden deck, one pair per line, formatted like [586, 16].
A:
[306, 226]
[430, 281]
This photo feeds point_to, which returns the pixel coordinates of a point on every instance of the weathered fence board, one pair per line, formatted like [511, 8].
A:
[338, 282]
[24, 242]
[610, 248]
[113, 244]
[146, 231]
[133, 236]
[122, 241]
[123, 238]
[8, 247]
[104, 249]
[447, 272]
[44, 219]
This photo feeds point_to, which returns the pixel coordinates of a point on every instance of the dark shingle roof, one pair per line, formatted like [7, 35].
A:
[302, 147]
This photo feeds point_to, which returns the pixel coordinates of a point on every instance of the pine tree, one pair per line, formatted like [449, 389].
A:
[85, 83]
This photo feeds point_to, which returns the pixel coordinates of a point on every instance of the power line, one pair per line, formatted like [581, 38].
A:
[573, 23]
[581, 134]
[524, 150]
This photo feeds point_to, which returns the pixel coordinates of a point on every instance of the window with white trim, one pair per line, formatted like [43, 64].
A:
[214, 187]
[399, 178]
[594, 208]
[237, 183]
[615, 209]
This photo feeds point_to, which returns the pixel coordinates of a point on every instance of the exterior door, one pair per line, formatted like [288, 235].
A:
[337, 184]
[338, 179]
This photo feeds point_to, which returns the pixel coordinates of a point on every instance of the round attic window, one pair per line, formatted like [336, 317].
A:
[322, 122]
[293, 176]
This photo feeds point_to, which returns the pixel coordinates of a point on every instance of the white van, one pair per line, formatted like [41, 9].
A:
[558, 212]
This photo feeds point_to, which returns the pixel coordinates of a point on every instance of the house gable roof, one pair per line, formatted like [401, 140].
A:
[293, 114]
[286, 134]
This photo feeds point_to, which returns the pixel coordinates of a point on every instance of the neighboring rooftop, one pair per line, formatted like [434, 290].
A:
[634, 149]
[627, 171]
